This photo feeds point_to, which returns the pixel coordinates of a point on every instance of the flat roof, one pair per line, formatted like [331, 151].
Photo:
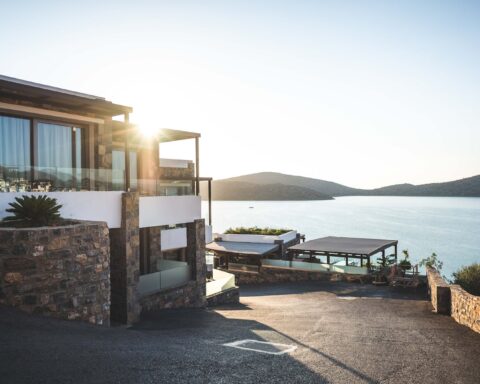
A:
[167, 134]
[242, 248]
[23, 90]
[344, 245]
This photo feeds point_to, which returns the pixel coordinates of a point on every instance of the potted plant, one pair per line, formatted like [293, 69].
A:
[405, 264]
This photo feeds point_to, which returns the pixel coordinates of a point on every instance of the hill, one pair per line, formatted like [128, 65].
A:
[238, 190]
[278, 186]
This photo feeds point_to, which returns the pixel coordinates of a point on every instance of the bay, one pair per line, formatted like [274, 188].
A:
[449, 226]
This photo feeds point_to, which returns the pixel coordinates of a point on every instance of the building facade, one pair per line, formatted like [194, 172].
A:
[83, 150]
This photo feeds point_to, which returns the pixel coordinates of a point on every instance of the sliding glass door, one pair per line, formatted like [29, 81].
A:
[58, 156]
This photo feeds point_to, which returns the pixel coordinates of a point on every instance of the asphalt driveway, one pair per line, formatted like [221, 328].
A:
[342, 333]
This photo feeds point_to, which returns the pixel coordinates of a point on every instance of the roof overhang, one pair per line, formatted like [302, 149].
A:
[44, 95]
[166, 135]
[344, 246]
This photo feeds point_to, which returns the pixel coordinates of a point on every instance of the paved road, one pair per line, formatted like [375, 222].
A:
[344, 333]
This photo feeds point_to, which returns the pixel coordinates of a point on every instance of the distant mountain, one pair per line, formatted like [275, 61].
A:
[469, 187]
[278, 186]
[239, 190]
[327, 187]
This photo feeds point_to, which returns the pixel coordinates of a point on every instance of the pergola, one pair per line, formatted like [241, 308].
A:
[346, 247]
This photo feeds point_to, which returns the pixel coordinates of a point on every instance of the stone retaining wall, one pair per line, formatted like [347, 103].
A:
[62, 271]
[230, 296]
[439, 292]
[465, 308]
[269, 274]
[190, 295]
[453, 300]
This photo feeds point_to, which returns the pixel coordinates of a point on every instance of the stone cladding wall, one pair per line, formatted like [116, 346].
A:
[439, 292]
[465, 308]
[230, 296]
[62, 272]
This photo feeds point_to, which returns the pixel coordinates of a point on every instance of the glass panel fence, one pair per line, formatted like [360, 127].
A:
[169, 274]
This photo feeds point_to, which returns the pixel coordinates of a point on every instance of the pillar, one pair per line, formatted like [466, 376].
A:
[125, 262]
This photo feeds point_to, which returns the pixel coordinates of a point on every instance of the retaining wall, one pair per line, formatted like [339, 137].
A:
[465, 308]
[453, 299]
[62, 272]
[269, 274]
[439, 292]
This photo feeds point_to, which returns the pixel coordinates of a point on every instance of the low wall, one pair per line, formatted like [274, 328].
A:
[190, 295]
[229, 296]
[453, 300]
[62, 271]
[439, 292]
[268, 274]
[465, 308]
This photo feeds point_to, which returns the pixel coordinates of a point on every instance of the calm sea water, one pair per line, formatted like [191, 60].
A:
[449, 226]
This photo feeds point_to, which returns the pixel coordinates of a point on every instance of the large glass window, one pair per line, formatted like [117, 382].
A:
[58, 156]
[14, 154]
[119, 170]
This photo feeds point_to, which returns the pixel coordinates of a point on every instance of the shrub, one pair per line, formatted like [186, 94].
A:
[256, 231]
[469, 278]
[405, 263]
[432, 261]
[33, 211]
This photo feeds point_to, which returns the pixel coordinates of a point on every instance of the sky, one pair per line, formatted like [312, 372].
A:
[364, 93]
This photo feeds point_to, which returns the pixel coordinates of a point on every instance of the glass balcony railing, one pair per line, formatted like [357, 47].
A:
[51, 179]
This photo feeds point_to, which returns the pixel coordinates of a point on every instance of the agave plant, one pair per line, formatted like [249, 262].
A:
[35, 211]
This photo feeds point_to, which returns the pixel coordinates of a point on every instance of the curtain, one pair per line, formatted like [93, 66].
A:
[14, 142]
[14, 148]
[54, 154]
[118, 170]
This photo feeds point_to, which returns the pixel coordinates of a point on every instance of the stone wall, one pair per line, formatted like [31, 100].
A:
[230, 296]
[190, 295]
[180, 173]
[453, 300]
[57, 271]
[269, 274]
[465, 308]
[439, 292]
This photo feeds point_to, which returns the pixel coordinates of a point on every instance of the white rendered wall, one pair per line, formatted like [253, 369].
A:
[169, 210]
[95, 206]
[173, 238]
[268, 239]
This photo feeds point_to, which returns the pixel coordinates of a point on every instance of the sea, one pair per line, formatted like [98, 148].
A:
[448, 226]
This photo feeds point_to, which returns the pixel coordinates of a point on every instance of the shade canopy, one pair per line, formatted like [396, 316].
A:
[344, 246]
[241, 248]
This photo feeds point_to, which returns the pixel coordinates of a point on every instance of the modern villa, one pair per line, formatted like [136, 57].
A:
[83, 151]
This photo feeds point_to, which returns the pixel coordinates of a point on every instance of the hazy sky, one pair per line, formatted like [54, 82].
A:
[365, 93]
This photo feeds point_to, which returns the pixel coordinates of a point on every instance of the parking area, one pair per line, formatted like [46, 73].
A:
[321, 333]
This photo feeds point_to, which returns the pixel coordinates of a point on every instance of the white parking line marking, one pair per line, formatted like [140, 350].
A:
[282, 348]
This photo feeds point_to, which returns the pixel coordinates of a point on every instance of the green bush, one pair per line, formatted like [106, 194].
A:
[33, 211]
[469, 278]
[256, 231]
[432, 261]
[405, 263]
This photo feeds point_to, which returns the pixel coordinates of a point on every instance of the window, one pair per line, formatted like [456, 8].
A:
[119, 170]
[15, 158]
[58, 156]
